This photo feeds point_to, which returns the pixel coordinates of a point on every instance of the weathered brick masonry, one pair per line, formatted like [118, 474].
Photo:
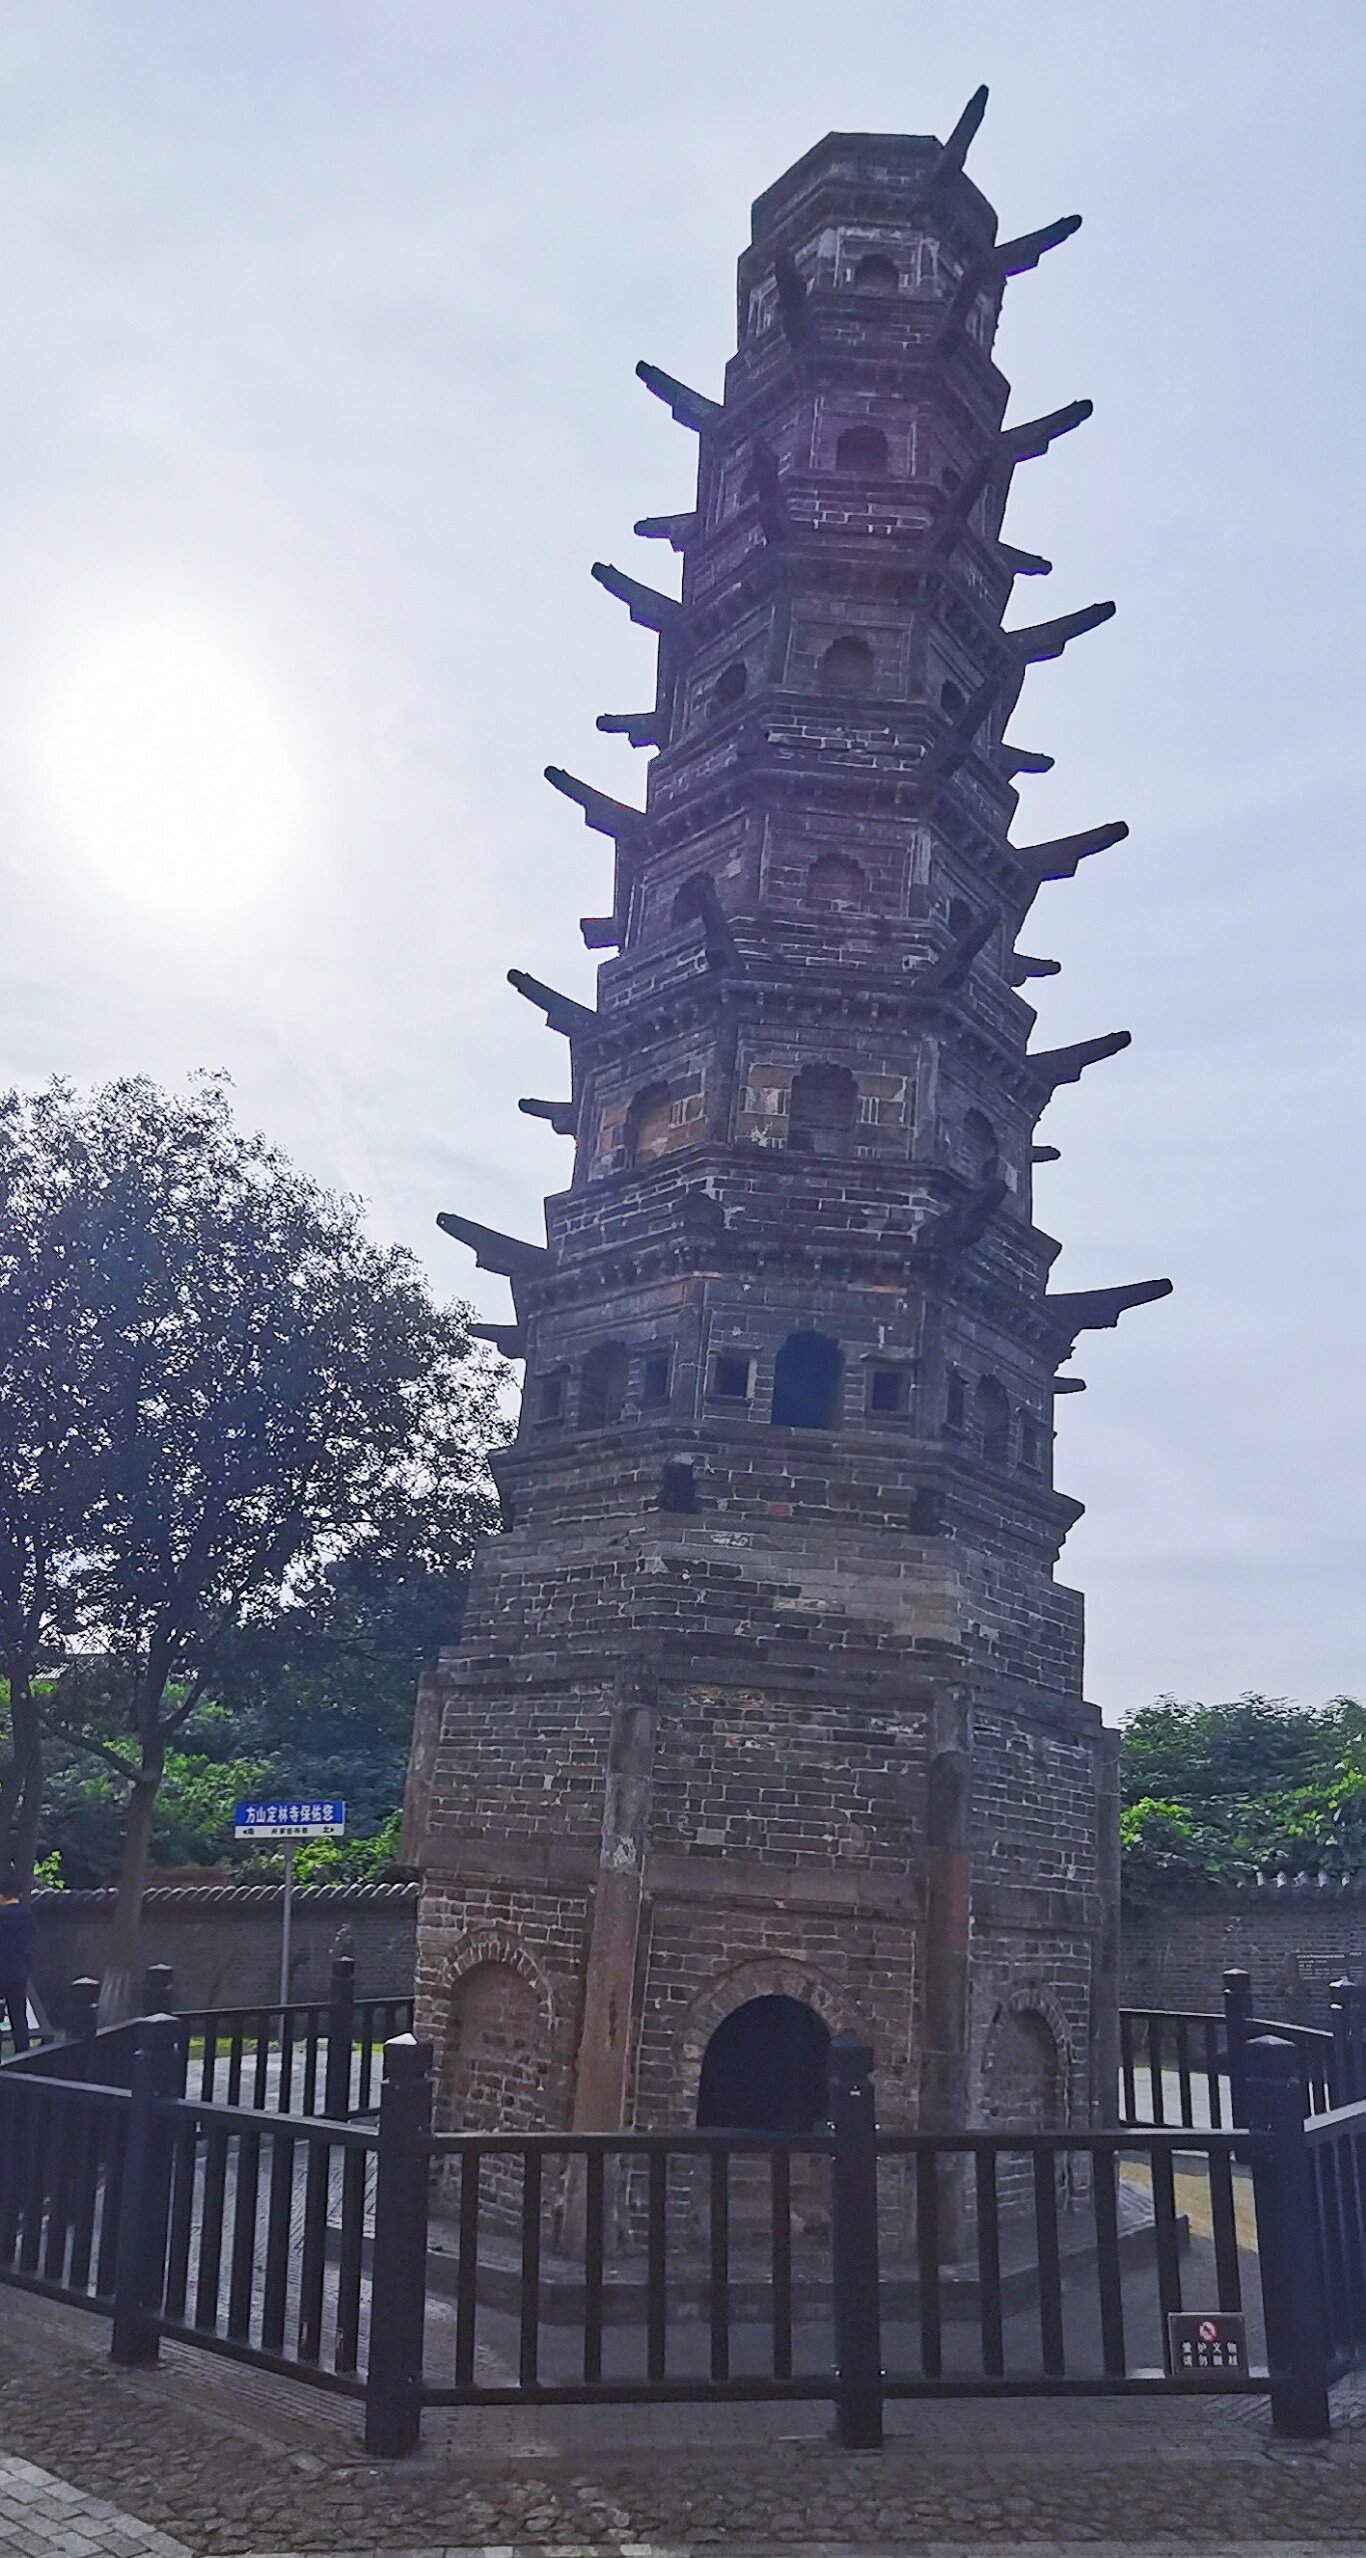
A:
[767, 1700]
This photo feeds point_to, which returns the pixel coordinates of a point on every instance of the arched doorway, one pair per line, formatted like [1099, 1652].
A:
[764, 2069]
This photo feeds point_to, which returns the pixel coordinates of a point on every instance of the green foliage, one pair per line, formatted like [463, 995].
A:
[241, 1461]
[1223, 1794]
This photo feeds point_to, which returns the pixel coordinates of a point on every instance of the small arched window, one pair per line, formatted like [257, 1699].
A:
[847, 667]
[950, 477]
[960, 915]
[956, 1402]
[691, 901]
[980, 1146]
[836, 880]
[602, 1385]
[1031, 1443]
[807, 1376]
[877, 274]
[648, 1124]
[952, 698]
[861, 448]
[551, 1392]
[823, 1110]
[730, 686]
[678, 1488]
[993, 1420]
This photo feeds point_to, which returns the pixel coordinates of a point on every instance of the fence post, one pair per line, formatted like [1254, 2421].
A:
[341, 2029]
[854, 2244]
[83, 2000]
[1288, 2239]
[398, 2282]
[1237, 2011]
[158, 1985]
[145, 2193]
[1344, 2016]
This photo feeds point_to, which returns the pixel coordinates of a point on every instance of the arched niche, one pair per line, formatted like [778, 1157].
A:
[863, 449]
[1024, 2072]
[981, 1146]
[648, 1124]
[846, 669]
[993, 1420]
[603, 1380]
[822, 1110]
[877, 273]
[837, 882]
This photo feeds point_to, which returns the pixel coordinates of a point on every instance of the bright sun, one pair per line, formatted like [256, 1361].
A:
[169, 768]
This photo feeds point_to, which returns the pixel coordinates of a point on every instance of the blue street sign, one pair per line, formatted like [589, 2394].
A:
[289, 1820]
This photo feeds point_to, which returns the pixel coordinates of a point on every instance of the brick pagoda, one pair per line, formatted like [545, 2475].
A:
[768, 1716]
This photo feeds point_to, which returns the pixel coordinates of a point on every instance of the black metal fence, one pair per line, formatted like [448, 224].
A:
[410, 2269]
[1188, 2069]
[313, 2056]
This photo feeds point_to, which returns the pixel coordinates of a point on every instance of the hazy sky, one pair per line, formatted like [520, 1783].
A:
[318, 325]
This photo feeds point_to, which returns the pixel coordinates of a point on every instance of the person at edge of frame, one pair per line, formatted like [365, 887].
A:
[16, 1946]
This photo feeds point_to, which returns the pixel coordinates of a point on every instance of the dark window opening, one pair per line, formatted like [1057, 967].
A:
[888, 1390]
[877, 274]
[822, 1110]
[993, 1420]
[960, 915]
[847, 668]
[551, 1395]
[926, 1519]
[1031, 1443]
[764, 2070]
[648, 1122]
[730, 1371]
[678, 1489]
[981, 1146]
[656, 1377]
[952, 698]
[861, 448]
[731, 685]
[602, 1385]
[688, 904]
[950, 477]
[807, 1374]
[956, 1402]
[836, 880]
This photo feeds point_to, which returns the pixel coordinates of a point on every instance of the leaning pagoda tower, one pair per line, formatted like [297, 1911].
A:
[767, 1718]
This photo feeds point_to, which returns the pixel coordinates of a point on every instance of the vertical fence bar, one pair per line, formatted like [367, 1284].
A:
[1344, 2068]
[341, 2028]
[398, 2293]
[854, 2244]
[718, 2281]
[529, 2330]
[145, 2190]
[1109, 2270]
[1128, 2081]
[594, 2229]
[467, 2268]
[657, 2266]
[1287, 2238]
[1237, 2013]
[780, 2225]
[989, 2264]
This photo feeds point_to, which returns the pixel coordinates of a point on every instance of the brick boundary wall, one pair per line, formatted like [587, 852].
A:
[1292, 1942]
[223, 1940]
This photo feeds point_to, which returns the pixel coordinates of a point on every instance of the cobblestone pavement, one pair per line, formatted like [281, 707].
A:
[200, 2458]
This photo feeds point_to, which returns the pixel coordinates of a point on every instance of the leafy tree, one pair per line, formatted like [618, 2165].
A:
[1224, 1793]
[51, 1443]
[276, 1393]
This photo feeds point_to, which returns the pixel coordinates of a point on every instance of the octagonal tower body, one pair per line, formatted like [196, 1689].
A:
[768, 1693]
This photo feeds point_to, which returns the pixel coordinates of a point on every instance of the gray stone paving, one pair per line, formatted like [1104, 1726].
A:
[200, 2458]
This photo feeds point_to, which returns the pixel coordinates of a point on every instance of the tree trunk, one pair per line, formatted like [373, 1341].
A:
[118, 1990]
[21, 1784]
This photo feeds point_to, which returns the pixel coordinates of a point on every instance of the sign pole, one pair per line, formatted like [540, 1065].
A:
[287, 1923]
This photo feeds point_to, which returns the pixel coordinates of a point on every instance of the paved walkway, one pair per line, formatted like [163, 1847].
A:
[200, 2458]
